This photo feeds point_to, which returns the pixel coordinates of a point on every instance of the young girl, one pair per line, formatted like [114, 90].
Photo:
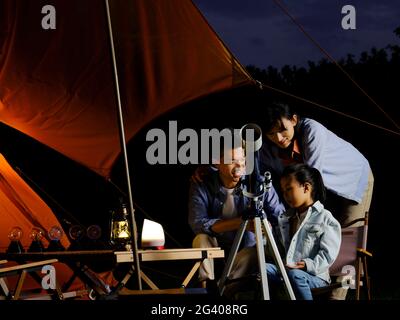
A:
[309, 233]
[346, 172]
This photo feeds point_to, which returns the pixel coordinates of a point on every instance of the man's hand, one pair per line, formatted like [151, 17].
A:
[299, 265]
[226, 225]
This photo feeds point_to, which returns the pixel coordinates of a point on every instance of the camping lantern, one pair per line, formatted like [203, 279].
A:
[120, 228]
[36, 236]
[15, 236]
[152, 235]
[55, 235]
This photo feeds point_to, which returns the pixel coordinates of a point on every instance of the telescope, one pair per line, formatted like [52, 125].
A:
[255, 186]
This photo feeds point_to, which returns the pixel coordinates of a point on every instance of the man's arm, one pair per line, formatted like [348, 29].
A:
[199, 219]
[226, 225]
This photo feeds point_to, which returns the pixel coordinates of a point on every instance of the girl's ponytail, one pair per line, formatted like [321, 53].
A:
[304, 173]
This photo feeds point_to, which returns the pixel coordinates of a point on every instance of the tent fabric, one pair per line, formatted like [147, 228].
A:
[21, 207]
[57, 86]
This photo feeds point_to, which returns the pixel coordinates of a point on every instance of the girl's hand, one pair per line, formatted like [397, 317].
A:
[298, 265]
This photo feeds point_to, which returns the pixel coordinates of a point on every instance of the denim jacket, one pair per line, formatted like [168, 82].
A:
[316, 242]
[344, 169]
[206, 201]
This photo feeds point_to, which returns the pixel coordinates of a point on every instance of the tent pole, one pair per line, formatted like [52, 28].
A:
[123, 146]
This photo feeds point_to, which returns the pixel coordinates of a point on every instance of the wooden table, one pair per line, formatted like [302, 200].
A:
[197, 254]
[78, 260]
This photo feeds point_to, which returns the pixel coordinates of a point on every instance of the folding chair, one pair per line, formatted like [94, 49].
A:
[352, 256]
[22, 270]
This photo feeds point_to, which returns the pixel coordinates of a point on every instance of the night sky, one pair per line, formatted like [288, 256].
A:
[259, 33]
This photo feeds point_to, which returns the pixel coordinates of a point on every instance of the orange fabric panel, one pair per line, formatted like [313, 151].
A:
[21, 206]
[57, 86]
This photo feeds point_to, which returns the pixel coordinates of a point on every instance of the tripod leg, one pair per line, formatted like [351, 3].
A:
[278, 260]
[261, 258]
[232, 256]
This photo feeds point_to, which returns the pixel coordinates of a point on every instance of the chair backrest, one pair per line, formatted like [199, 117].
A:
[352, 239]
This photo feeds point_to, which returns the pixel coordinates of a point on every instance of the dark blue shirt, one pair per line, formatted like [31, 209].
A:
[206, 201]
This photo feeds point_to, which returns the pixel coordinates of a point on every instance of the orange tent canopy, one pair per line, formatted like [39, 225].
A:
[57, 86]
[21, 207]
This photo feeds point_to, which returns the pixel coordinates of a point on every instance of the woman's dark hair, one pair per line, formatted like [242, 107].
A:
[274, 113]
[304, 173]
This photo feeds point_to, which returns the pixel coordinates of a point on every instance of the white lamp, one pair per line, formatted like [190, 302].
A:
[152, 235]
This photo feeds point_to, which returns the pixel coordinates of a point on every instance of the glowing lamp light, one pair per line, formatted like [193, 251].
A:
[152, 235]
[120, 228]
[55, 234]
[15, 236]
[36, 236]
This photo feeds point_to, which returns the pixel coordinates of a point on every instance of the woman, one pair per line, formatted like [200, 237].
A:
[346, 172]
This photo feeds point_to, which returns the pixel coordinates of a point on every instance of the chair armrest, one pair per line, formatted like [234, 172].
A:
[353, 222]
[363, 252]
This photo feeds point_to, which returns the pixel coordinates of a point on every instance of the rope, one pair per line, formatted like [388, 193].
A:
[65, 211]
[331, 109]
[277, 2]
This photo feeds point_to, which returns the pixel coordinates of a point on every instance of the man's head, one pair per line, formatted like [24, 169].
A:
[231, 161]
[231, 172]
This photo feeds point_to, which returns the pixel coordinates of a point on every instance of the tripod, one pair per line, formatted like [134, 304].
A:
[256, 214]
